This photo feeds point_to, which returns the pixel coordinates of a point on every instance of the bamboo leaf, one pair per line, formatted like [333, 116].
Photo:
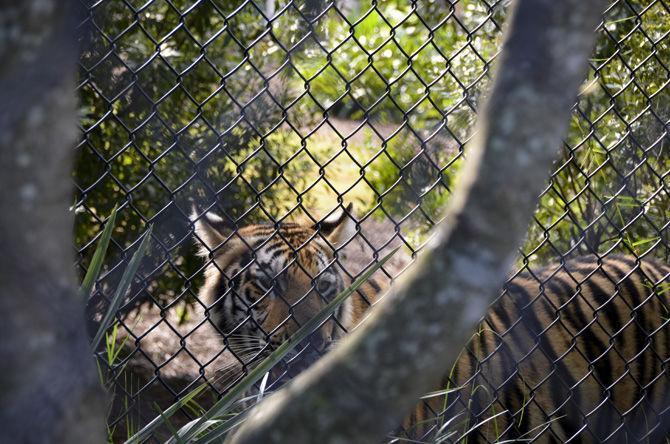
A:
[222, 429]
[145, 432]
[98, 256]
[122, 288]
[645, 241]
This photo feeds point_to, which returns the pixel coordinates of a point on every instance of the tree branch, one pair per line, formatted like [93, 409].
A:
[362, 390]
[49, 389]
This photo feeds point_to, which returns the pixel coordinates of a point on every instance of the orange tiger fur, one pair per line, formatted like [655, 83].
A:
[573, 352]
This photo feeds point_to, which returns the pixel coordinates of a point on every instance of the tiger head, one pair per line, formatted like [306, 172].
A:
[263, 282]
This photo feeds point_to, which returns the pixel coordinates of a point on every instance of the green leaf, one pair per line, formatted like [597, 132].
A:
[145, 432]
[223, 405]
[644, 241]
[121, 289]
[100, 252]
[169, 425]
[222, 428]
[218, 423]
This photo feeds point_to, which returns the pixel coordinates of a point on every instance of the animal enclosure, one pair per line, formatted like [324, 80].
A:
[279, 112]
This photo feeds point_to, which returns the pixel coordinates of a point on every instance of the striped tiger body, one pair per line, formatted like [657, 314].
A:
[574, 351]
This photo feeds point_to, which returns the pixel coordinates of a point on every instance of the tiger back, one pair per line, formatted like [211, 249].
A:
[572, 353]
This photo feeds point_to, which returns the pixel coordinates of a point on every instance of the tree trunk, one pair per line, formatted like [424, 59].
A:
[363, 389]
[49, 391]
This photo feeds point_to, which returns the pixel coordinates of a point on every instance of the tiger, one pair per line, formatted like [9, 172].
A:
[263, 282]
[573, 352]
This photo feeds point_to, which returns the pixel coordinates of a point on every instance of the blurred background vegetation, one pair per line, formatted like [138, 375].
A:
[269, 111]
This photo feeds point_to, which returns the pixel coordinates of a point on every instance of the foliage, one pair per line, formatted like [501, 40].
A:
[418, 71]
[400, 62]
[610, 190]
[183, 103]
[161, 128]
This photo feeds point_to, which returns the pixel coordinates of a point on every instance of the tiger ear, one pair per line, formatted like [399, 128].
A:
[211, 231]
[339, 227]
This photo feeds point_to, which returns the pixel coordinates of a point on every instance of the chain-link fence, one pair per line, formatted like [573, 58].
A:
[282, 111]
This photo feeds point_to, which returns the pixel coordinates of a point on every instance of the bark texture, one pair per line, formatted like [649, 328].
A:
[48, 387]
[363, 389]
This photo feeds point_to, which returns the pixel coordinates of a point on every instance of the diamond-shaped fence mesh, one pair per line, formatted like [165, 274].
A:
[279, 112]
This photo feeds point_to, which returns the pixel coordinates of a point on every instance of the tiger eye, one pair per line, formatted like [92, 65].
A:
[322, 286]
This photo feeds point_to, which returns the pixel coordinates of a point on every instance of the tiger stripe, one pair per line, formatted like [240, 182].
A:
[590, 346]
[576, 351]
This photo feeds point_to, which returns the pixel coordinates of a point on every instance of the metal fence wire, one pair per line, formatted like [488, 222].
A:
[282, 111]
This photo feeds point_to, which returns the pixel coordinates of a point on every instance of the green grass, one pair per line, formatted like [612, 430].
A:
[108, 331]
[122, 288]
[95, 266]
